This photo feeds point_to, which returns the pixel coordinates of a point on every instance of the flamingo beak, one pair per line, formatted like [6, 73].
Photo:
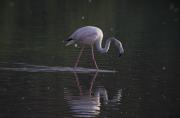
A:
[119, 55]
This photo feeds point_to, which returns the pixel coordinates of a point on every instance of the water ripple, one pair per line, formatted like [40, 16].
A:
[40, 68]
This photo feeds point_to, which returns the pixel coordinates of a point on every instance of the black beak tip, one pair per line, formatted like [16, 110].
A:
[119, 55]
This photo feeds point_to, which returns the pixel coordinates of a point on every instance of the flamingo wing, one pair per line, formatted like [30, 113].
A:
[84, 35]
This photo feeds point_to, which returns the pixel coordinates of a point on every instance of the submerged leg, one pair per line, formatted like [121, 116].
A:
[93, 58]
[77, 61]
[92, 82]
[78, 84]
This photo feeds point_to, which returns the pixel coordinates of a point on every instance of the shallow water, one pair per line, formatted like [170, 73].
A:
[37, 74]
[37, 68]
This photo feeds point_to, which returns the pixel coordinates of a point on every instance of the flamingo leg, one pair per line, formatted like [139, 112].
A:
[93, 58]
[92, 82]
[78, 84]
[77, 61]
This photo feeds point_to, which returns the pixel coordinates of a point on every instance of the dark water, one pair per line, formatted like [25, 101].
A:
[37, 78]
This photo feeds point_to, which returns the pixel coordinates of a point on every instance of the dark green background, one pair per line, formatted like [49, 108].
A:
[32, 32]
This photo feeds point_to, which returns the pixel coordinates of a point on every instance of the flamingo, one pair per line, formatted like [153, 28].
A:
[92, 35]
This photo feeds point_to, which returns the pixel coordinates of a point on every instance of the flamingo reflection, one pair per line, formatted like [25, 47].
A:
[88, 102]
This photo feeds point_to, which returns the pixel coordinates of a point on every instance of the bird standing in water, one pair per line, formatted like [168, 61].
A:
[91, 35]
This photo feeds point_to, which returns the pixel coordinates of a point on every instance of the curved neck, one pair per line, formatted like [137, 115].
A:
[117, 43]
[99, 45]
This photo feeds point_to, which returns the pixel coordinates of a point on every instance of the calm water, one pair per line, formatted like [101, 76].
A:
[37, 78]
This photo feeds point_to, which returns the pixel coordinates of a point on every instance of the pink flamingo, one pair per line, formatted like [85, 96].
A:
[91, 35]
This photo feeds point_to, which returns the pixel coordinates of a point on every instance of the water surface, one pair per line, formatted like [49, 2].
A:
[37, 75]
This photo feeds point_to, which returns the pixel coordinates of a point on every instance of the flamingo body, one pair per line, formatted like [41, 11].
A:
[86, 35]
